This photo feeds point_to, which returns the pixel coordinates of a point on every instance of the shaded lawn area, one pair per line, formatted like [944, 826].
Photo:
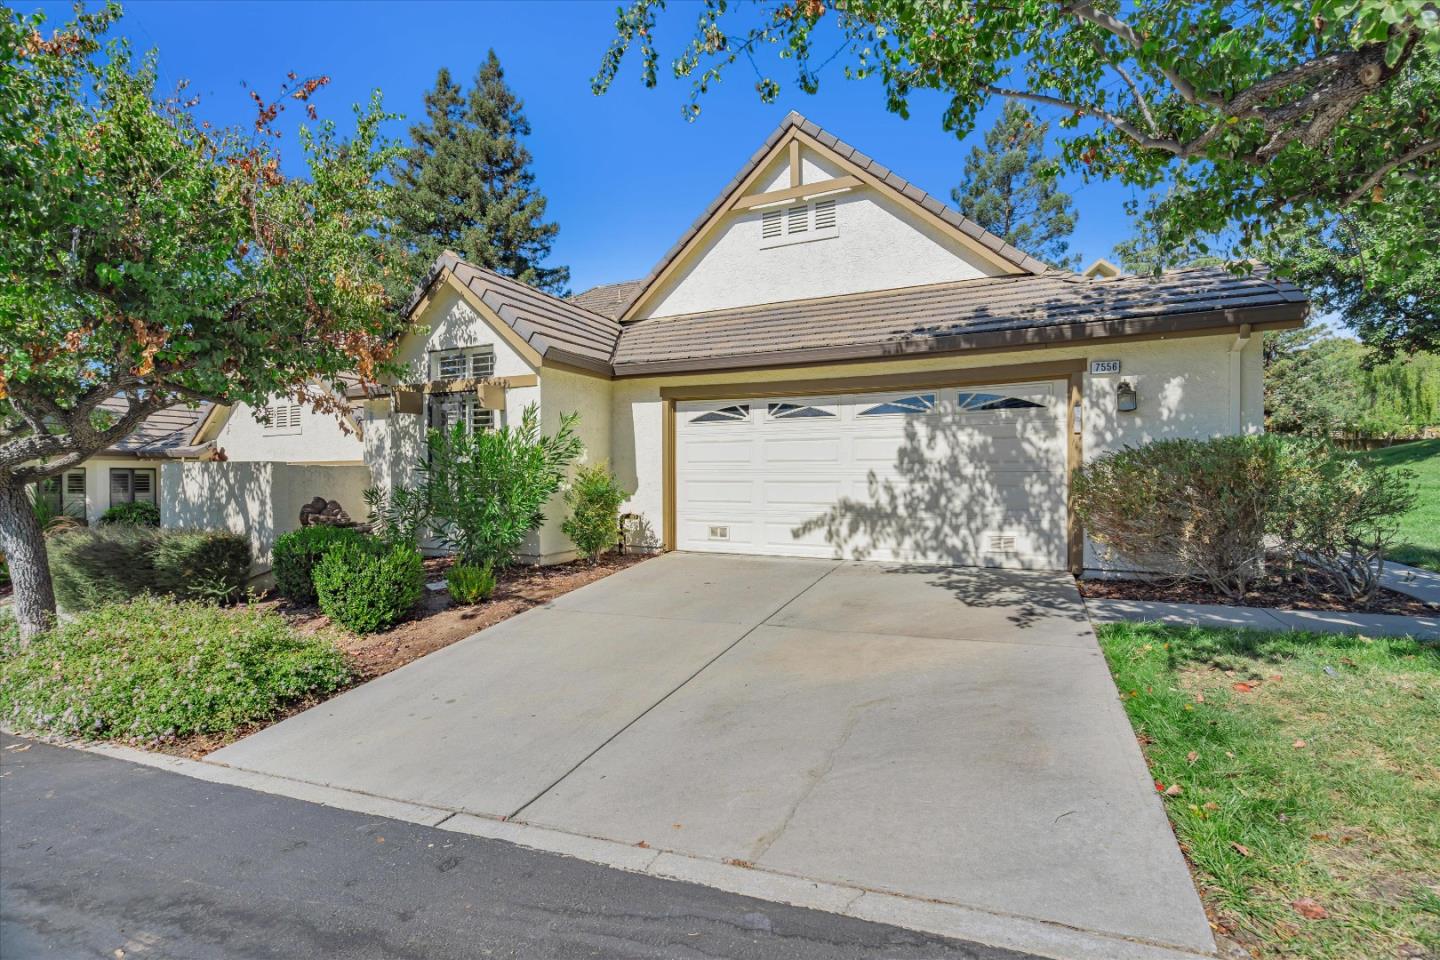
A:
[1299, 766]
[1419, 540]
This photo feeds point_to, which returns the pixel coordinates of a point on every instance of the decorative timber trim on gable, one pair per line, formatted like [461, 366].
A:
[860, 170]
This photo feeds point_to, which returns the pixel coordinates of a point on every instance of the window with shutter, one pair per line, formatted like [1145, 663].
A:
[285, 418]
[466, 363]
[130, 485]
[825, 214]
[772, 223]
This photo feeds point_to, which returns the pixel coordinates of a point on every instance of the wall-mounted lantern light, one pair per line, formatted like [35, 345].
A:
[1125, 399]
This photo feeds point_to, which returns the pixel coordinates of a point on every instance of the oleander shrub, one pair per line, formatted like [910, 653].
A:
[594, 498]
[155, 668]
[470, 582]
[116, 563]
[369, 585]
[295, 554]
[136, 514]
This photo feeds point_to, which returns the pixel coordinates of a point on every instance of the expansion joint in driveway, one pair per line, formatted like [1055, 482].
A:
[679, 686]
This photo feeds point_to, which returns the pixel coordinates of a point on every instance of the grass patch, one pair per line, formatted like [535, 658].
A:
[1419, 541]
[154, 669]
[1308, 766]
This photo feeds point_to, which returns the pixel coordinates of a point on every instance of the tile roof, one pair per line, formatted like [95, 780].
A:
[159, 434]
[990, 311]
[556, 329]
[1023, 261]
[609, 299]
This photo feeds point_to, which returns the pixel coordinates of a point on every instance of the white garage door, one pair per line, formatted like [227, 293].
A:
[960, 475]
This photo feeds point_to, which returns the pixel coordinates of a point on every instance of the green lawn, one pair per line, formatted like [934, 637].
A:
[1419, 543]
[1299, 766]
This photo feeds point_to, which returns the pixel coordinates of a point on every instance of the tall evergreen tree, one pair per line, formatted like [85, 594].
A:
[1010, 189]
[465, 184]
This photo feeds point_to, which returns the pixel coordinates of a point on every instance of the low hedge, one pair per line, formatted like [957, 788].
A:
[369, 585]
[113, 564]
[137, 514]
[155, 668]
[296, 553]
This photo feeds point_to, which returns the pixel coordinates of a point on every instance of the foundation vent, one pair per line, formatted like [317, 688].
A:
[1002, 543]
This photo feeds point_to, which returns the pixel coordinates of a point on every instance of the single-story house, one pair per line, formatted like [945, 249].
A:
[831, 362]
[130, 469]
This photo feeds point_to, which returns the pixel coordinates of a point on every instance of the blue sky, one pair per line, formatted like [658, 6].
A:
[624, 173]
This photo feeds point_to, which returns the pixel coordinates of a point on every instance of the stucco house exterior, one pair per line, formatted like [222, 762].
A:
[831, 362]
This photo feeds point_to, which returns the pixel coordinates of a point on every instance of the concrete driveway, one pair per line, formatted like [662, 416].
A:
[944, 734]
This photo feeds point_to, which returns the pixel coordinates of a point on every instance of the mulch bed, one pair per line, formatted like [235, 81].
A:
[437, 623]
[1270, 592]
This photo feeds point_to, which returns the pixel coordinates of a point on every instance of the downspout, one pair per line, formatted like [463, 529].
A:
[1237, 381]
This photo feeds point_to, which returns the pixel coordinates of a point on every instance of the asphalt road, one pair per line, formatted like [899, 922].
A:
[107, 859]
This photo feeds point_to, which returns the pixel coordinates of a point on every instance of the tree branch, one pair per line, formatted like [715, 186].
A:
[1118, 122]
[1384, 170]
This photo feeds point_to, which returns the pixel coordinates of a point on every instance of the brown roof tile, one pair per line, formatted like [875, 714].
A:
[990, 311]
[162, 431]
[609, 299]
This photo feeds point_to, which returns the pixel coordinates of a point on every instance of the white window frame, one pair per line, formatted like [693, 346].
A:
[476, 416]
[477, 363]
[129, 493]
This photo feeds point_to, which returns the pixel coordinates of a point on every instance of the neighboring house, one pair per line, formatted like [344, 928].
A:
[130, 469]
[291, 432]
[830, 362]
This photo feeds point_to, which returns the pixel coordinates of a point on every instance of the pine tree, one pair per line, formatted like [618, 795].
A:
[1009, 188]
[465, 184]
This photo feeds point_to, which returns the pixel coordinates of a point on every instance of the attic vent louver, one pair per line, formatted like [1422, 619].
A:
[798, 219]
[824, 214]
[771, 224]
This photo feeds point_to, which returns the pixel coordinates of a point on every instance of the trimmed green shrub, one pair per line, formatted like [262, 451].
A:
[136, 514]
[113, 564]
[469, 582]
[155, 668]
[368, 585]
[210, 565]
[296, 553]
[594, 498]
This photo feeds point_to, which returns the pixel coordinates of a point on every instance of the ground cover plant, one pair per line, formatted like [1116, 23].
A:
[155, 669]
[470, 583]
[1418, 542]
[138, 513]
[1300, 774]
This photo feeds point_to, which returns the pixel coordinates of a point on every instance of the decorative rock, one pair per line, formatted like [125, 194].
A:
[322, 512]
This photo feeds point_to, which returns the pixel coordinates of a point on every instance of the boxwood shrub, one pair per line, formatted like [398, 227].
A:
[368, 585]
[296, 553]
[156, 668]
[116, 563]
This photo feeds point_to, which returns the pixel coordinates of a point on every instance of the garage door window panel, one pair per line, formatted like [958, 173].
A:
[796, 411]
[734, 413]
[985, 402]
[901, 406]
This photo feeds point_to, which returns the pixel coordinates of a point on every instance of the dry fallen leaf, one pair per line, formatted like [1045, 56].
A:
[1191, 757]
[1199, 698]
[1173, 790]
[1243, 687]
[1319, 836]
[1240, 848]
[1298, 744]
[1211, 805]
[1309, 909]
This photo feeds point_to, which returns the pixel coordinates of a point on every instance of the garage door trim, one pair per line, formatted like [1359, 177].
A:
[1071, 370]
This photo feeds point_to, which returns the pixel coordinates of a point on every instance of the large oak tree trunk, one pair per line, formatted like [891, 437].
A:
[23, 543]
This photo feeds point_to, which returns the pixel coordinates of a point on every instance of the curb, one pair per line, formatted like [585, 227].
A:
[957, 921]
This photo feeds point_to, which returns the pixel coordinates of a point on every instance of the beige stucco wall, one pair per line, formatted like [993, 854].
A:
[562, 392]
[259, 499]
[322, 439]
[97, 482]
[1184, 385]
[393, 442]
[880, 245]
